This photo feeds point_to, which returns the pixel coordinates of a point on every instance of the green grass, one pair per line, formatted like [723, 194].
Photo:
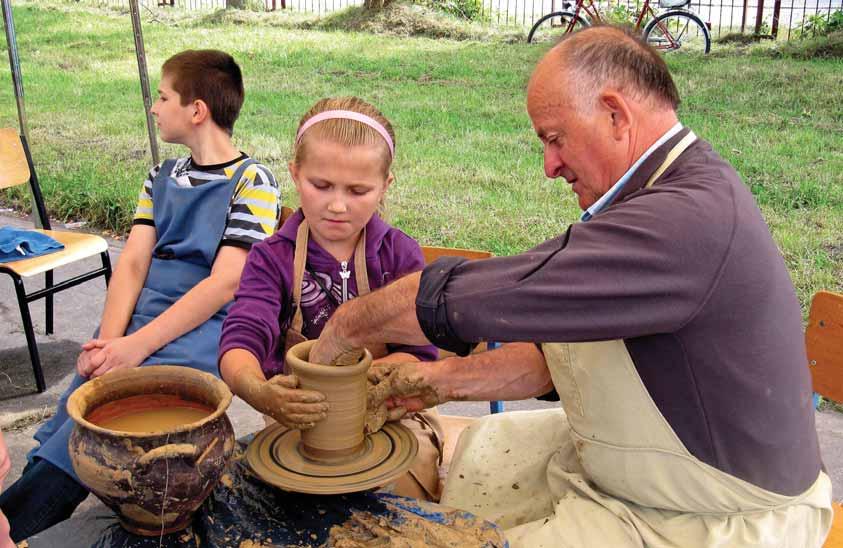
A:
[468, 167]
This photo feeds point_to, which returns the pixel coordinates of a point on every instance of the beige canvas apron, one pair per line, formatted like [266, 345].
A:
[609, 471]
[422, 480]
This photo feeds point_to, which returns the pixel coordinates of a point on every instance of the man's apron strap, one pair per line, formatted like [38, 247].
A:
[671, 157]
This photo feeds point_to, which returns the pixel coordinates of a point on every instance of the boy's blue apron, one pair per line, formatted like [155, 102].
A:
[190, 222]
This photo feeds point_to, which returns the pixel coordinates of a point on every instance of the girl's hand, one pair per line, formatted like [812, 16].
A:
[118, 353]
[281, 398]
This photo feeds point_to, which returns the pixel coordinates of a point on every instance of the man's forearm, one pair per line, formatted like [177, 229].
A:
[516, 371]
[387, 315]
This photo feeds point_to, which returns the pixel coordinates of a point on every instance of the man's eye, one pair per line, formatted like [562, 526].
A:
[320, 186]
[359, 191]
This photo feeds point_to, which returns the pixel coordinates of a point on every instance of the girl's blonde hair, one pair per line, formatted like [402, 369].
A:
[344, 131]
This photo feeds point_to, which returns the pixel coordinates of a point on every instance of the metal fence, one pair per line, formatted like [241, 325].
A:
[783, 19]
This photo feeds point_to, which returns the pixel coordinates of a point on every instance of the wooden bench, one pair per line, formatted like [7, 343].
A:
[824, 343]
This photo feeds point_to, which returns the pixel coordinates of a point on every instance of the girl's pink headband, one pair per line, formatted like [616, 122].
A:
[348, 115]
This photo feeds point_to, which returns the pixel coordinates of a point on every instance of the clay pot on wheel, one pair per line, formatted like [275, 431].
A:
[339, 437]
[154, 481]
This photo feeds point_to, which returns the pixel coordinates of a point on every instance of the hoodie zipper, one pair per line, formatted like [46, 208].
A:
[345, 274]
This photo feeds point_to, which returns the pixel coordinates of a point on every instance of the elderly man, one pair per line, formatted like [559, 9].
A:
[665, 320]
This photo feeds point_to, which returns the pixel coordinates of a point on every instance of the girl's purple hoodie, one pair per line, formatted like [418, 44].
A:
[263, 306]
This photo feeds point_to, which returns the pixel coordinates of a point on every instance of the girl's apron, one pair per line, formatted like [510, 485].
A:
[610, 471]
[190, 222]
[422, 480]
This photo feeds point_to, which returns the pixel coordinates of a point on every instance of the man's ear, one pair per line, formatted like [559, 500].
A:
[615, 106]
[201, 112]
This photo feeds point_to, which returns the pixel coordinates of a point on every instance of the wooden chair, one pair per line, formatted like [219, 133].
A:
[16, 168]
[824, 343]
[431, 254]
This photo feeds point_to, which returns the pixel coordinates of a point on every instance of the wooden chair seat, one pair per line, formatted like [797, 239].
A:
[835, 536]
[76, 246]
[16, 168]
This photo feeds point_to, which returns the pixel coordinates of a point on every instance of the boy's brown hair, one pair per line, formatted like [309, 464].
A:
[211, 76]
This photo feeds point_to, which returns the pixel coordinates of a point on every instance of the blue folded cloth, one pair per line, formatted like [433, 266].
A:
[17, 244]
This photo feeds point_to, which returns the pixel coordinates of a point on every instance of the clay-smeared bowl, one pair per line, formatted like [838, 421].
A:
[340, 435]
[155, 480]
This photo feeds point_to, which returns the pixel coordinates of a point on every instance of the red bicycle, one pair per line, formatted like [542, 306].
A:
[676, 29]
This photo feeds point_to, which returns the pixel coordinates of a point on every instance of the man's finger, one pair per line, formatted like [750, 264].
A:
[287, 381]
[396, 413]
[349, 357]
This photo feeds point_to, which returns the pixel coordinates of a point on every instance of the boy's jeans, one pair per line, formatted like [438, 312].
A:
[42, 497]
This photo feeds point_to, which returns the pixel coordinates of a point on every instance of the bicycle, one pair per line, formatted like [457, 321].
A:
[678, 28]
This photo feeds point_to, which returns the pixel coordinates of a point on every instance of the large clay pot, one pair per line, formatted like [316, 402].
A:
[153, 481]
[339, 436]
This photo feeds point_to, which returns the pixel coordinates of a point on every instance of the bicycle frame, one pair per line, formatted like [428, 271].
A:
[592, 14]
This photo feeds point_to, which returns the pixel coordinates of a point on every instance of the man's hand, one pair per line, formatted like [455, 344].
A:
[332, 349]
[281, 398]
[111, 354]
[395, 389]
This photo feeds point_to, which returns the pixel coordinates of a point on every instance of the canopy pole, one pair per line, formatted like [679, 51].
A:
[39, 214]
[144, 78]
[14, 63]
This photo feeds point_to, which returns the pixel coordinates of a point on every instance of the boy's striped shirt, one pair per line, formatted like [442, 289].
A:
[255, 204]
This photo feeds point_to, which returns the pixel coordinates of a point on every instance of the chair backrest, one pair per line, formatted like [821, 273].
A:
[286, 213]
[14, 169]
[824, 342]
[433, 253]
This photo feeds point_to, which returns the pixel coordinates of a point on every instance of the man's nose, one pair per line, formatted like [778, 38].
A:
[552, 164]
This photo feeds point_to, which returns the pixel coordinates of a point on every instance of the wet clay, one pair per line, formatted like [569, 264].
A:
[340, 434]
[335, 456]
[148, 413]
[274, 457]
[410, 526]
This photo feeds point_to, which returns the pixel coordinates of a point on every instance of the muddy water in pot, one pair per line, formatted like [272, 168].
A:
[148, 413]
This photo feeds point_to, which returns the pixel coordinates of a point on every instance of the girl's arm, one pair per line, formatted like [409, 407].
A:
[193, 309]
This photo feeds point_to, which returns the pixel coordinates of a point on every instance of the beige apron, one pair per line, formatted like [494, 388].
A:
[609, 471]
[422, 480]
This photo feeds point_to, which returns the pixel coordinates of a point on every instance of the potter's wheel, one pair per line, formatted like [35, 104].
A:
[275, 458]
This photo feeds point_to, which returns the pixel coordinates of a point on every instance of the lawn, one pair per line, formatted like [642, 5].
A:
[468, 167]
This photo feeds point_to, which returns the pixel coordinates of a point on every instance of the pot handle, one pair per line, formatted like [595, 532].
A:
[168, 451]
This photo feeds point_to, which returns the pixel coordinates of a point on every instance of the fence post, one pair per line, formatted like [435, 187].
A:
[777, 8]
[743, 17]
[759, 17]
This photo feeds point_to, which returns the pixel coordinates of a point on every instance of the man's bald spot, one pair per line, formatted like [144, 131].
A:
[585, 62]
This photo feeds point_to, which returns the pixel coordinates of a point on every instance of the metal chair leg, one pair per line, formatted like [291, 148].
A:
[494, 406]
[30, 335]
[48, 301]
[106, 263]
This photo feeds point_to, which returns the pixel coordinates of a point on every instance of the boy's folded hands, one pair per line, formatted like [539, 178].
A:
[99, 356]
[282, 399]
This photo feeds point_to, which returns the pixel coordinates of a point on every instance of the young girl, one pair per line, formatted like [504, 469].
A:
[332, 249]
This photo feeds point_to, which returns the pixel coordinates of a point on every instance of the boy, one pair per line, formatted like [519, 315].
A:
[196, 219]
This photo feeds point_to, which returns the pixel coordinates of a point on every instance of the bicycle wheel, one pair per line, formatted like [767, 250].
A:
[553, 26]
[678, 30]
